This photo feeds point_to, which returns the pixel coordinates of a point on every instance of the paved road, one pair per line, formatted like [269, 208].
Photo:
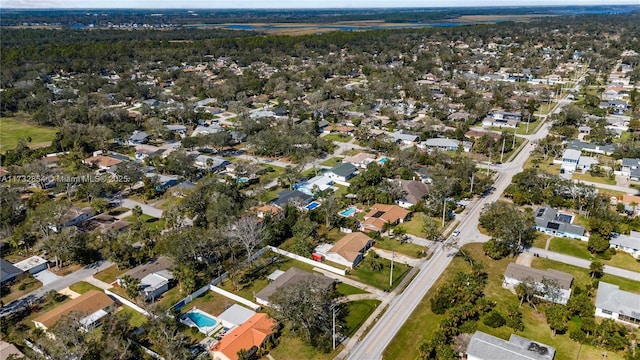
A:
[66, 281]
[146, 209]
[401, 307]
[624, 189]
[583, 263]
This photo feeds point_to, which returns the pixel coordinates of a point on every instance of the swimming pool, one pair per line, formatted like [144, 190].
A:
[312, 205]
[348, 212]
[242, 180]
[201, 320]
[383, 160]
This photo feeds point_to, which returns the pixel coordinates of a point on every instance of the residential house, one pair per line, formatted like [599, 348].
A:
[413, 192]
[613, 303]
[381, 214]
[550, 221]
[154, 286]
[207, 129]
[340, 129]
[210, 163]
[631, 203]
[570, 159]
[459, 116]
[316, 184]
[477, 134]
[138, 137]
[264, 210]
[604, 149]
[32, 265]
[179, 129]
[289, 277]
[102, 162]
[360, 160]
[144, 151]
[322, 124]
[235, 316]
[487, 347]
[75, 216]
[342, 172]
[404, 137]
[631, 168]
[9, 272]
[444, 144]
[516, 273]
[163, 182]
[349, 251]
[627, 243]
[9, 351]
[92, 306]
[250, 336]
[292, 196]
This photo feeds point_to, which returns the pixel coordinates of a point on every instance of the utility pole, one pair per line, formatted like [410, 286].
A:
[334, 325]
[473, 174]
[489, 164]
[393, 256]
[444, 209]
[503, 141]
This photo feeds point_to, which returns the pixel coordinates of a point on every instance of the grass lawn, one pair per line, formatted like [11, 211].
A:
[27, 285]
[414, 226]
[82, 287]
[337, 137]
[346, 289]
[211, 303]
[579, 249]
[291, 348]
[359, 312]
[109, 274]
[422, 323]
[170, 298]
[380, 279]
[595, 179]
[149, 222]
[14, 128]
[540, 241]
[409, 249]
[136, 319]
[331, 161]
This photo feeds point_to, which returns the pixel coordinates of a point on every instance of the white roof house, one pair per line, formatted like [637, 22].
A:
[235, 315]
[32, 265]
[155, 284]
[570, 159]
[486, 347]
[627, 243]
[613, 303]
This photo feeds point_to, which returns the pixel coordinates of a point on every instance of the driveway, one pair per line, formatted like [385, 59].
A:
[46, 277]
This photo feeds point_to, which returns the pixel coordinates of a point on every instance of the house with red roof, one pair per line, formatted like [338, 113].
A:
[250, 336]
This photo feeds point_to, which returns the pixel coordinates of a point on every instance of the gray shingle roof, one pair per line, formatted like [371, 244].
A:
[631, 241]
[291, 276]
[521, 272]
[344, 169]
[611, 298]
[8, 271]
[546, 219]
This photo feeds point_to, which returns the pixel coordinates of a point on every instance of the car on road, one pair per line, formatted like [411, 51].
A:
[456, 232]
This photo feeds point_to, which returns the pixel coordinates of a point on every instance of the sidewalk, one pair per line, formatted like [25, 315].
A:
[397, 257]
[98, 283]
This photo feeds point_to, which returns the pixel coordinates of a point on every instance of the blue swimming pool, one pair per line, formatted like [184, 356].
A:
[242, 180]
[383, 160]
[348, 212]
[201, 320]
[312, 205]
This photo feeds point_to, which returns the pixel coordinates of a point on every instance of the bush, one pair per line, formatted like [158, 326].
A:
[22, 286]
[469, 327]
[494, 320]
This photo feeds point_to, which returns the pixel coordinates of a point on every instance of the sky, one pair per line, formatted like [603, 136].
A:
[282, 4]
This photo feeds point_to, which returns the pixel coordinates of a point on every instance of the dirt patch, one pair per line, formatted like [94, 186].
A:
[70, 293]
[524, 259]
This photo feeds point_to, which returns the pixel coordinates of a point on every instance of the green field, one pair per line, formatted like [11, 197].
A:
[14, 128]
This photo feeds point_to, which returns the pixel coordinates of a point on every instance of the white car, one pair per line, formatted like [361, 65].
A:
[456, 232]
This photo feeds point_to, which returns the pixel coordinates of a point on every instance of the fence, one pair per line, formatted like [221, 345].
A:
[127, 302]
[308, 261]
[235, 297]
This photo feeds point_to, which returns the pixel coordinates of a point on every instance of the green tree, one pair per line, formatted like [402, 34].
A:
[597, 244]
[306, 308]
[557, 316]
[596, 269]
